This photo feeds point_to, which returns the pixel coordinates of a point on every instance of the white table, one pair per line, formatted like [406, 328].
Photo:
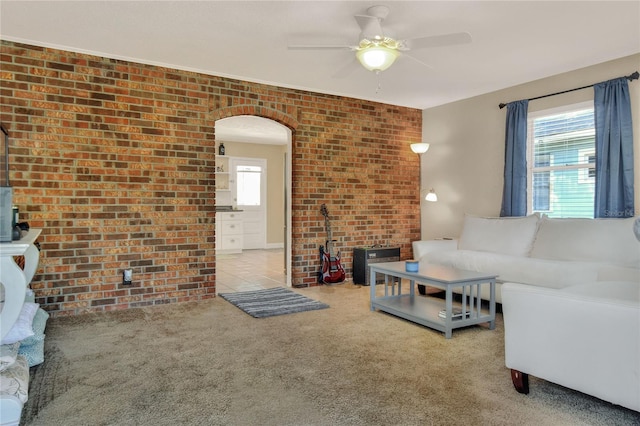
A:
[425, 310]
[14, 279]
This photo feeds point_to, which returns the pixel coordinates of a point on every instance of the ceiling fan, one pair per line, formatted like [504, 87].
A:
[377, 50]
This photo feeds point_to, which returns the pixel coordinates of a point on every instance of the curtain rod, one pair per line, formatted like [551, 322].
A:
[633, 76]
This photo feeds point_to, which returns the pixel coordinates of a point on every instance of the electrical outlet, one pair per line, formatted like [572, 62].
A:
[127, 276]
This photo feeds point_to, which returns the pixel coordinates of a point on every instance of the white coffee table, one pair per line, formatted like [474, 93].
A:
[426, 310]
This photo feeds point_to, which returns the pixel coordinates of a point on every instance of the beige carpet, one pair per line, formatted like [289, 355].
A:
[209, 363]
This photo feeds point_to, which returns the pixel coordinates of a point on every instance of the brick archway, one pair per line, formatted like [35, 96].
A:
[259, 111]
[290, 123]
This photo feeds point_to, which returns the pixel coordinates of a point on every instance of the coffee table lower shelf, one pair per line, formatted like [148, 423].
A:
[425, 311]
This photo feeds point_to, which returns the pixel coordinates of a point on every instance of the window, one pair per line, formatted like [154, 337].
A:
[561, 161]
[248, 185]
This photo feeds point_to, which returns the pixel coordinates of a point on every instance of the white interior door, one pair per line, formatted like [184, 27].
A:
[248, 186]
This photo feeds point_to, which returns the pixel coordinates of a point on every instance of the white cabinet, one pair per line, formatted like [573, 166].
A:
[229, 227]
[229, 232]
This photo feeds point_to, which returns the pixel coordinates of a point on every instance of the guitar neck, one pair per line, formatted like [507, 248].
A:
[329, 237]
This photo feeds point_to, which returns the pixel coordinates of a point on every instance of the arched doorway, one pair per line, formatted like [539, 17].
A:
[247, 138]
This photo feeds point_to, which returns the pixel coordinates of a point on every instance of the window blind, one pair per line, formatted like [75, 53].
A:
[562, 163]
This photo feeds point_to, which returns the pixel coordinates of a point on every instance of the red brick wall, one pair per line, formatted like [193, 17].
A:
[115, 162]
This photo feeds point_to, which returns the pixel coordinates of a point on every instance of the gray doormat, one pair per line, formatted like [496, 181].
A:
[272, 301]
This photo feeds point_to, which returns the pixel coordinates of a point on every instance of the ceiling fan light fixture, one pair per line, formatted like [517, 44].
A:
[376, 57]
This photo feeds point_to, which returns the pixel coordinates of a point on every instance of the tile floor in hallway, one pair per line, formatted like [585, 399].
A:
[250, 270]
[258, 269]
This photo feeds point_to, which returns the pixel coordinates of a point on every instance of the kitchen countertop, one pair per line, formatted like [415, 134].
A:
[226, 209]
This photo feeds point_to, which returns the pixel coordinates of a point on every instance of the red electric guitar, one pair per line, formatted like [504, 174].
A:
[332, 270]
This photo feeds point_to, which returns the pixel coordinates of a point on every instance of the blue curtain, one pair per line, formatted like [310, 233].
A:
[514, 194]
[614, 149]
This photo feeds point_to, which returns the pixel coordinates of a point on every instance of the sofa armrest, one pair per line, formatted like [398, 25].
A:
[585, 342]
[422, 247]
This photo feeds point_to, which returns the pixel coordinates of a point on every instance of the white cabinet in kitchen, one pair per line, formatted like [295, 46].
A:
[229, 232]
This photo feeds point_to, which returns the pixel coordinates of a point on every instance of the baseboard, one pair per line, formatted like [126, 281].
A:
[274, 246]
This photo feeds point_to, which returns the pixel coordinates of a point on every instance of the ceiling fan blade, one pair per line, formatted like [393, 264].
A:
[320, 47]
[406, 55]
[438, 40]
[370, 26]
[347, 69]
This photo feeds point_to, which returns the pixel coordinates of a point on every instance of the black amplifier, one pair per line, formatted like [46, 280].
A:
[365, 256]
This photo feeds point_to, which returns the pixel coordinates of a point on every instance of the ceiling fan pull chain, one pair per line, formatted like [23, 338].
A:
[378, 79]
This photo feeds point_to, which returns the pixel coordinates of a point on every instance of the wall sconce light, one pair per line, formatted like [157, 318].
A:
[431, 196]
[419, 148]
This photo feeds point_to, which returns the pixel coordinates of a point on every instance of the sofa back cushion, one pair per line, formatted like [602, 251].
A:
[505, 235]
[595, 240]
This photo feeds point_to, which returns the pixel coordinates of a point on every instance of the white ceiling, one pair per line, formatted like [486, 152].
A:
[513, 41]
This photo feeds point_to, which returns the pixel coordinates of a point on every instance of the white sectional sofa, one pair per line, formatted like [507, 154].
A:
[584, 337]
[570, 294]
[540, 251]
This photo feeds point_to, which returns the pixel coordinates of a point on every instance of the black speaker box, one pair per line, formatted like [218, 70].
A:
[365, 256]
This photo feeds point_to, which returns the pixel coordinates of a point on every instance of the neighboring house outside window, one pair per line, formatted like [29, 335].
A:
[561, 161]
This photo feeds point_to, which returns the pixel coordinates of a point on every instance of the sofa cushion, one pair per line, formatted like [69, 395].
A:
[506, 235]
[609, 272]
[623, 292]
[14, 381]
[34, 353]
[23, 327]
[8, 355]
[38, 326]
[518, 269]
[596, 240]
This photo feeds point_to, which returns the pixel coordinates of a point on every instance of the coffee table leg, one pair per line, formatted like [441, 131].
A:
[449, 308]
[492, 304]
[372, 288]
